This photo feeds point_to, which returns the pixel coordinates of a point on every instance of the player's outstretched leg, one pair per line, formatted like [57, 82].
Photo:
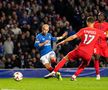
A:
[59, 65]
[96, 65]
[79, 70]
[52, 74]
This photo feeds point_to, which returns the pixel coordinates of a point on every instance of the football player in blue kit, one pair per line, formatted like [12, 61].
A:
[43, 44]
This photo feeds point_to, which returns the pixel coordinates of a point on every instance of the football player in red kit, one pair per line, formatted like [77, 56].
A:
[89, 37]
[101, 48]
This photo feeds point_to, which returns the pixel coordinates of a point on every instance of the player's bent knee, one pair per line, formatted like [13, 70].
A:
[47, 65]
[66, 57]
[53, 59]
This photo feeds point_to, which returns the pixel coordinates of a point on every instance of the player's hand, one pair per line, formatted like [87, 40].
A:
[60, 43]
[46, 41]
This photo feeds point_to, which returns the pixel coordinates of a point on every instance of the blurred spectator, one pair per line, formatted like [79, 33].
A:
[34, 24]
[17, 49]
[24, 43]
[15, 61]
[8, 63]
[8, 46]
[37, 63]
[31, 42]
[2, 62]
[1, 49]
[2, 65]
[23, 62]
[16, 30]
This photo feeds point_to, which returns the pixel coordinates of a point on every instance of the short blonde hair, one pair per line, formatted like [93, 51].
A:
[45, 25]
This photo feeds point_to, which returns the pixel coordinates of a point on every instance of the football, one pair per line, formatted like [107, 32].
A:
[18, 76]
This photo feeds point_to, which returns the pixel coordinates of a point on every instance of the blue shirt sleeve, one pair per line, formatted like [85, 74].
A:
[53, 38]
[37, 41]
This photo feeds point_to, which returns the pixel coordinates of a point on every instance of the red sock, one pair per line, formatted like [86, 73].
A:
[50, 69]
[53, 62]
[60, 64]
[96, 66]
[80, 68]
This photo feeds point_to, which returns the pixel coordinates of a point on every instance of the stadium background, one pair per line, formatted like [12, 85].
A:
[20, 22]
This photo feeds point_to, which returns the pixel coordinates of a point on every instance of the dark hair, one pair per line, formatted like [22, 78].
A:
[101, 14]
[90, 19]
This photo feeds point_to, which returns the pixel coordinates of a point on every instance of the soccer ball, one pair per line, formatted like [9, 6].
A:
[18, 76]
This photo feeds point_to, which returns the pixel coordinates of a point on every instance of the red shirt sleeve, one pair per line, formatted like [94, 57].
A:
[80, 33]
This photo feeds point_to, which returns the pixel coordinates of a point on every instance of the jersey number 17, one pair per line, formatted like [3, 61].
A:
[88, 38]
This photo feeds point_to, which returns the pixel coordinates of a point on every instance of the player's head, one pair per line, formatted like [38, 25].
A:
[90, 21]
[101, 16]
[45, 28]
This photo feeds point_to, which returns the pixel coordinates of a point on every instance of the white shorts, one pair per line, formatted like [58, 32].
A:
[47, 57]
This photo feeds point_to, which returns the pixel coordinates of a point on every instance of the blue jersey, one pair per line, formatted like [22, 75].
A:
[40, 38]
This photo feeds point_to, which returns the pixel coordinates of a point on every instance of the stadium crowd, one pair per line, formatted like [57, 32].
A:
[20, 22]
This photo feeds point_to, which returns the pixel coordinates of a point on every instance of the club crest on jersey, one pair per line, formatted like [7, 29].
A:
[43, 38]
[50, 37]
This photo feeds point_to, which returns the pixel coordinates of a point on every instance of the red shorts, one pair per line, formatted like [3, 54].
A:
[74, 54]
[101, 50]
[104, 51]
[97, 49]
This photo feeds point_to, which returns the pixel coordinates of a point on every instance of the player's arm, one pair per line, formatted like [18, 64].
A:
[63, 36]
[59, 38]
[42, 44]
[78, 34]
[68, 39]
[56, 38]
[107, 33]
[38, 44]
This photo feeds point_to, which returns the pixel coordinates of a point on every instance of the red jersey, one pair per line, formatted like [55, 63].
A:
[89, 37]
[103, 27]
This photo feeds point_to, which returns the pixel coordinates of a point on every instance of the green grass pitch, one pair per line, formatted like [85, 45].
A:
[82, 83]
